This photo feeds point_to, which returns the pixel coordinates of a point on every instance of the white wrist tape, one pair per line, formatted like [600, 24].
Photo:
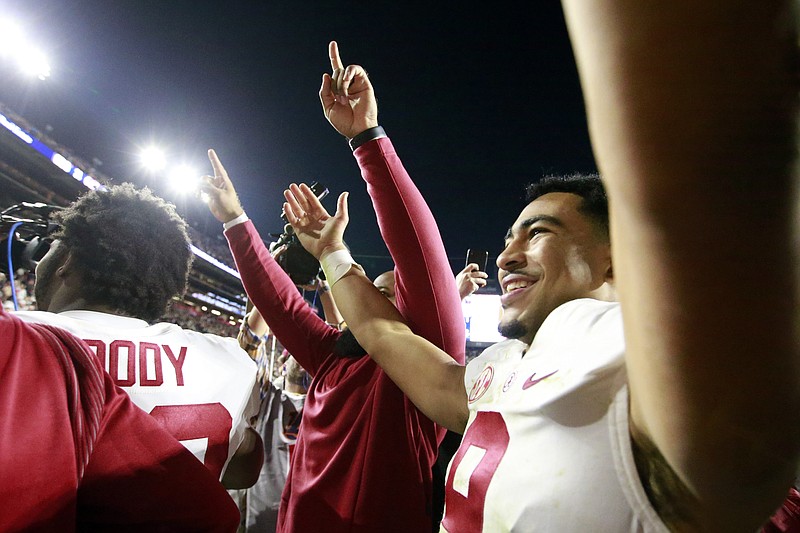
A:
[337, 264]
[241, 219]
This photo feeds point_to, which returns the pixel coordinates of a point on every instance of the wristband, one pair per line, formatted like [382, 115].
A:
[337, 264]
[365, 136]
[249, 339]
[238, 220]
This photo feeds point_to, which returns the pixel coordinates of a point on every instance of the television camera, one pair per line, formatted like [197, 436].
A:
[25, 230]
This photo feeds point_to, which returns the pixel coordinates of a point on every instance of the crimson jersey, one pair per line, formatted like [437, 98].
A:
[201, 387]
[787, 518]
[364, 452]
[547, 445]
[77, 455]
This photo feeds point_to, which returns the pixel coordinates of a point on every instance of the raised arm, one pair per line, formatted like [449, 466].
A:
[428, 376]
[273, 293]
[425, 288]
[332, 315]
[431, 379]
[692, 111]
[252, 331]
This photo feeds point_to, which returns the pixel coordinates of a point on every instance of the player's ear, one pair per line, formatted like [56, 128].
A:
[67, 265]
[606, 291]
[603, 262]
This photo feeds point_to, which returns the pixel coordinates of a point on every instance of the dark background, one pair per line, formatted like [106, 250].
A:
[478, 101]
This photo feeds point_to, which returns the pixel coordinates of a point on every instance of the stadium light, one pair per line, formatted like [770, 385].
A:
[15, 47]
[184, 179]
[153, 159]
[10, 37]
[33, 63]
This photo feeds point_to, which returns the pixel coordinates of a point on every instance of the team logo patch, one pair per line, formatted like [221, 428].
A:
[509, 381]
[481, 384]
[533, 380]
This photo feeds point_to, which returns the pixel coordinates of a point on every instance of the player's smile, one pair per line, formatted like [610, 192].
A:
[515, 286]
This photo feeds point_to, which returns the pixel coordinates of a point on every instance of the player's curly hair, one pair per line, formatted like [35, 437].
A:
[588, 186]
[131, 247]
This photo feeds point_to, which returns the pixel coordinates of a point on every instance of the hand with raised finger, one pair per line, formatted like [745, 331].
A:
[319, 233]
[219, 193]
[347, 97]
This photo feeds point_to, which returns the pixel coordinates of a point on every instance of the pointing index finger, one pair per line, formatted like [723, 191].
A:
[219, 170]
[336, 66]
[333, 53]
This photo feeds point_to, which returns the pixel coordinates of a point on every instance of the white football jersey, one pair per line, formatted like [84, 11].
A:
[201, 387]
[547, 446]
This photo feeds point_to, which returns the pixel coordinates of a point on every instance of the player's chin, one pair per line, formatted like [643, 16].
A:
[513, 328]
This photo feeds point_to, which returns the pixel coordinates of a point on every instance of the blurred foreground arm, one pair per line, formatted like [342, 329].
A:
[692, 110]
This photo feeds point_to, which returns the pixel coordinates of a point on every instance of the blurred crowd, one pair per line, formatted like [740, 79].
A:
[23, 281]
[214, 246]
[192, 318]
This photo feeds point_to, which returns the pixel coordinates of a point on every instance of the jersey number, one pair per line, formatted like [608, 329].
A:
[487, 435]
[206, 420]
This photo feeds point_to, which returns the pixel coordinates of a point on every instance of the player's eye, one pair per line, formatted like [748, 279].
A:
[533, 232]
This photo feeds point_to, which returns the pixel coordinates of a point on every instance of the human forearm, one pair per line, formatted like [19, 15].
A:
[329, 309]
[268, 287]
[692, 114]
[426, 291]
[426, 374]
[298, 328]
[705, 90]
[256, 323]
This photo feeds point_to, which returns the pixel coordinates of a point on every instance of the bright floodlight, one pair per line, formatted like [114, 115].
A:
[15, 47]
[34, 63]
[10, 38]
[153, 159]
[184, 179]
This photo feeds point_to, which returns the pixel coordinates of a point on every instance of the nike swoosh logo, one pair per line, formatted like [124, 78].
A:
[530, 382]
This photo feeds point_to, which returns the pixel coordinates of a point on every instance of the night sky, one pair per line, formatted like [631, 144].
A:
[478, 102]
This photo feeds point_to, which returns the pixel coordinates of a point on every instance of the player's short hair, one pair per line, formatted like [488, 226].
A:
[589, 187]
[131, 247]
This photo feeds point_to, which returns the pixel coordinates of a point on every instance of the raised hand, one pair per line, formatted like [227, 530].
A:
[470, 279]
[219, 192]
[319, 233]
[347, 98]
